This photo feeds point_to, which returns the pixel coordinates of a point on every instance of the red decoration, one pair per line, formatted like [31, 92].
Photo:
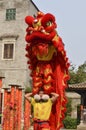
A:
[8, 110]
[12, 108]
[16, 111]
[27, 115]
[0, 95]
[47, 61]
[19, 108]
[0, 82]
[5, 111]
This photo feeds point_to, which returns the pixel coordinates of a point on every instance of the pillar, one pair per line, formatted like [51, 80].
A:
[1, 98]
[5, 110]
[8, 109]
[19, 108]
[16, 108]
[12, 96]
[27, 113]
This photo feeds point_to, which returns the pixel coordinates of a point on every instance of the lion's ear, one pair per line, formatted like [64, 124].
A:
[29, 20]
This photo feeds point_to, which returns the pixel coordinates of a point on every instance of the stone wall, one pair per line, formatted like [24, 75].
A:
[75, 101]
[15, 71]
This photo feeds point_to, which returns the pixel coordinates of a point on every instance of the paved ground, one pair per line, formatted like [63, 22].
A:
[0, 128]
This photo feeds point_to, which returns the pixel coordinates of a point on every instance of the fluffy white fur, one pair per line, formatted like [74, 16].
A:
[45, 97]
[36, 97]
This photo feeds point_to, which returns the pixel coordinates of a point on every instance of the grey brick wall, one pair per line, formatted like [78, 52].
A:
[15, 71]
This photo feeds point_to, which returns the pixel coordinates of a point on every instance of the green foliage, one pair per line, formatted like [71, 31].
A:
[68, 107]
[28, 89]
[79, 75]
[70, 123]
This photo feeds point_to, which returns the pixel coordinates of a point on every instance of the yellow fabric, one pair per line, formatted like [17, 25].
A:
[42, 110]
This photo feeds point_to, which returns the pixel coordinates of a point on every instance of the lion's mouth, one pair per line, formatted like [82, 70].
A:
[40, 36]
[40, 49]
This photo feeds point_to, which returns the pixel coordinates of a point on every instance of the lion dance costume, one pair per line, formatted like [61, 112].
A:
[48, 62]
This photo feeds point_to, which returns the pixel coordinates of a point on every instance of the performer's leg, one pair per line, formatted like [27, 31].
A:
[36, 126]
[45, 126]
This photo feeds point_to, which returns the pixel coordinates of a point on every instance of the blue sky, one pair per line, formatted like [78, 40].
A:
[71, 21]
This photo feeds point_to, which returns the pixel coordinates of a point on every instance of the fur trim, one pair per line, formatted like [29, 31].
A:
[45, 97]
[36, 97]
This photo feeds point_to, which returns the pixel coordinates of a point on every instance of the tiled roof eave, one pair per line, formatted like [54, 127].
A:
[77, 86]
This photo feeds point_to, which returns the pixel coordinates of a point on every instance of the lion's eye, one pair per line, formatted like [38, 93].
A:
[49, 23]
[36, 20]
[42, 30]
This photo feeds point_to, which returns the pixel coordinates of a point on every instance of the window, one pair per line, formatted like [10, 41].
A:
[10, 14]
[8, 51]
[8, 46]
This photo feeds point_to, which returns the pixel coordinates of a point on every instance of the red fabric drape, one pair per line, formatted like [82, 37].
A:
[19, 108]
[59, 108]
[0, 83]
[11, 108]
[16, 109]
[0, 94]
[8, 111]
[5, 114]
[27, 115]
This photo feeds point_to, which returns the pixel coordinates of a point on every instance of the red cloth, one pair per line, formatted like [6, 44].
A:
[41, 125]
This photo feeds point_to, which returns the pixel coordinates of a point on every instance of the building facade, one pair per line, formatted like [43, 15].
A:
[13, 63]
[80, 89]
